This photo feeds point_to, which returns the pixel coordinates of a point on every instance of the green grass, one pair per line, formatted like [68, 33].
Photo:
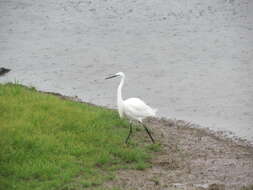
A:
[49, 143]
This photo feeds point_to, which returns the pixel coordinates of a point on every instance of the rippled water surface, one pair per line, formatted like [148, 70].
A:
[190, 59]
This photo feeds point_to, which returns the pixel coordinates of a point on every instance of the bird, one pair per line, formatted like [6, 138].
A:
[134, 109]
[3, 71]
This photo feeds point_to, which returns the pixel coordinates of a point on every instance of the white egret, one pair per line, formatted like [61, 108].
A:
[133, 108]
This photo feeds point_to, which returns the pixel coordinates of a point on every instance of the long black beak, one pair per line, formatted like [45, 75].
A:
[111, 76]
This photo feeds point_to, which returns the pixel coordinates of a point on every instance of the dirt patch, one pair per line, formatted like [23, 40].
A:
[191, 158]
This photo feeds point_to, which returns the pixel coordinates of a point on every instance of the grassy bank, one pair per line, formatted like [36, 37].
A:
[52, 143]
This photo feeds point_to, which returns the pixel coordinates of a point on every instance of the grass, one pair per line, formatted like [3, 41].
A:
[50, 143]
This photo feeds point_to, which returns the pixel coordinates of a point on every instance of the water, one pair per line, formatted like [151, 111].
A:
[190, 59]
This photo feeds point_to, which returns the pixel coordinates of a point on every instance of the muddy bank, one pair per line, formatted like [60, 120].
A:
[192, 159]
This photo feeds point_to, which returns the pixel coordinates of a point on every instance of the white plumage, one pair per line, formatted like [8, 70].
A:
[136, 109]
[133, 108]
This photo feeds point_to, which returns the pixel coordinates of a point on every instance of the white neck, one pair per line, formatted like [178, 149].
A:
[119, 96]
[119, 92]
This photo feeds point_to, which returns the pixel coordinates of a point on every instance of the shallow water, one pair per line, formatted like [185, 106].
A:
[190, 59]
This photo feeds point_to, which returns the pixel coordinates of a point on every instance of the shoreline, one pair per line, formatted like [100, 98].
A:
[184, 157]
[191, 157]
[223, 135]
[159, 44]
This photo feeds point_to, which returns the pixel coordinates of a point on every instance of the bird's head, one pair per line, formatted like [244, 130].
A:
[119, 74]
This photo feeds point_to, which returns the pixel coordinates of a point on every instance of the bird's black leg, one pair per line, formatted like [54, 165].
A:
[130, 132]
[149, 133]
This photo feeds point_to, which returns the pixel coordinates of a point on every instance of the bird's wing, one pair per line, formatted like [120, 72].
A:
[138, 107]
